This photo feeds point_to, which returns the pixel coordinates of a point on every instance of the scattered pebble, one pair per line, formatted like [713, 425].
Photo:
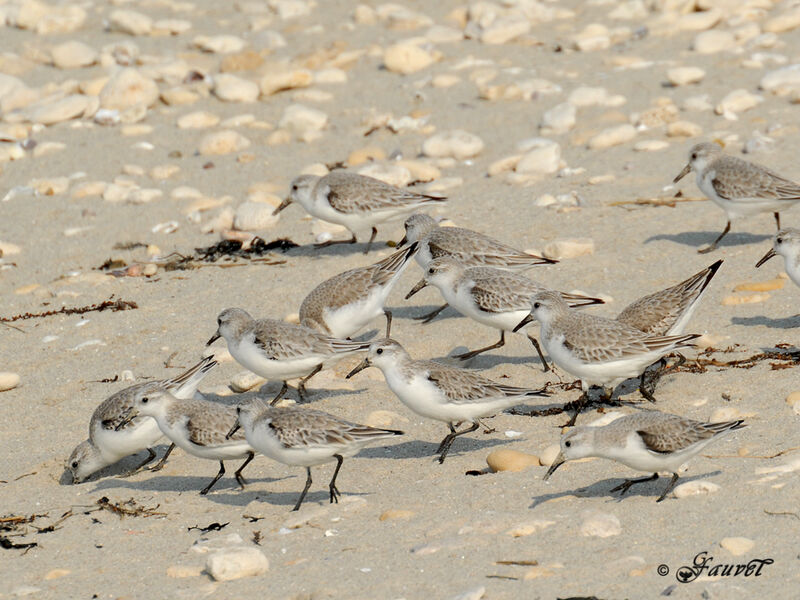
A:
[406, 58]
[548, 456]
[245, 381]
[599, 524]
[510, 460]
[254, 216]
[394, 514]
[457, 144]
[695, 488]
[222, 142]
[8, 381]
[679, 76]
[613, 136]
[235, 563]
[569, 248]
[737, 545]
[745, 299]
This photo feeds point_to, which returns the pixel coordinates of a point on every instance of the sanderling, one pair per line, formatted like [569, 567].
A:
[275, 349]
[354, 201]
[739, 187]
[471, 248]
[646, 441]
[304, 438]
[347, 302]
[197, 426]
[490, 296]
[599, 351]
[667, 312]
[107, 444]
[786, 244]
[442, 392]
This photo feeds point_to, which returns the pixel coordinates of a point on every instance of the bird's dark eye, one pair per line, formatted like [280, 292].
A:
[74, 464]
[694, 155]
[145, 400]
[219, 322]
[430, 271]
[379, 351]
[568, 444]
[537, 305]
[294, 188]
[238, 410]
[779, 240]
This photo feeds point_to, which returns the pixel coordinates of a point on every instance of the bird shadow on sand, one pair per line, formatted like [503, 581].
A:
[341, 250]
[420, 449]
[783, 323]
[698, 239]
[413, 313]
[192, 484]
[319, 497]
[651, 489]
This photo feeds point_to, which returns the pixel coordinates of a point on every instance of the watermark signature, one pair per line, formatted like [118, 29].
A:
[703, 563]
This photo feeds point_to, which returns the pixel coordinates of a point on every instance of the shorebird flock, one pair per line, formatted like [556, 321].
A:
[481, 278]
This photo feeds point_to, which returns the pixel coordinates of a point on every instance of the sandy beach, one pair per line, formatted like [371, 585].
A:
[134, 135]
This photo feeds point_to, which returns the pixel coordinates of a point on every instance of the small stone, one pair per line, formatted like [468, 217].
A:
[737, 545]
[510, 460]
[383, 418]
[8, 381]
[144, 195]
[726, 413]
[9, 249]
[302, 120]
[650, 145]
[569, 248]
[679, 76]
[394, 514]
[457, 144]
[230, 88]
[445, 80]
[684, 129]
[330, 76]
[420, 170]
[198, 120]
[391, 173]
[787, 21]
[527, 529]
[128, 88]
[243, 61]
[280, 79]
[548, 456]
[715, 40]
[538, 571]
[475, 593]
[235, 563]
[58, 573]
[245, 381]
[219, 44]
[171, 27]
[254, 216]
[73, 55]
[50, 187]
[699, 20]
[594, 36]
[760, 286]
[782, 82]
[363, 155]
[162, 172]
[406, 58]
[793, 400]
[178, 96]
[130, 22]
[63, 109]
[588, 96]
[737, 101]
[183, 571]
[505, 29]
[599, 524]
[223, 142]
[745, 299]
[559, 119]
[612, 136]
[504, 165]
[541, 156]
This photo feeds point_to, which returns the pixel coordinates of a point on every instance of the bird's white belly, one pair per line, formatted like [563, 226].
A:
[178, 435]
[738, 208]
[603, 374]
[422, 396]
[347, 320]
[251, 357]
[263, 440]
[114, 445]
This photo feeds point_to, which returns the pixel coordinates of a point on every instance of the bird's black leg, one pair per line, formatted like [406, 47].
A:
[305, 490]
[623, 487]
[205, 490]
[301, 387]
[716, 241]
[239, 479]
[332, 485]
[284, 388]
[474, 353]
[669, 487]
[444, 447]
